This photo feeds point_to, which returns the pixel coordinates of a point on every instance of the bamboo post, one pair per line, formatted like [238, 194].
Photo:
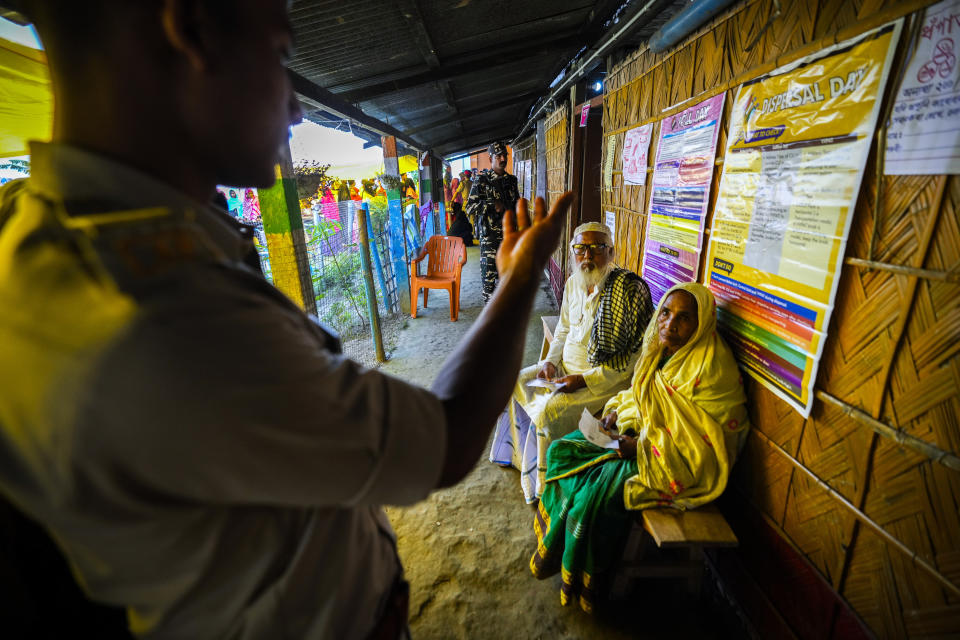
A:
[368, 287]
[376, 257]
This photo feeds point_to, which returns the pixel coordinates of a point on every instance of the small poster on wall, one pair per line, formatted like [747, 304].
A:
[681, 181]
[584, 115]
[797, 146]
[636, 143]
[610, 219]
[608, 163]
[923, 136]
[528, 179]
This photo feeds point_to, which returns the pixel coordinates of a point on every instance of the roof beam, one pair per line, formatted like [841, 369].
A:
[410, 10]
[500, 58]
[476, 137]
[336, 105]
[476, 111]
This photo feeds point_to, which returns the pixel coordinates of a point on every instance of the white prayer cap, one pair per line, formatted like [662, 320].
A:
[597, 227]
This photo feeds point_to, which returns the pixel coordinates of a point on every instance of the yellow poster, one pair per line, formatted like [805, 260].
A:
[797, 146]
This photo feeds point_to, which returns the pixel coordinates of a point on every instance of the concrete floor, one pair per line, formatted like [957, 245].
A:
[466, 549]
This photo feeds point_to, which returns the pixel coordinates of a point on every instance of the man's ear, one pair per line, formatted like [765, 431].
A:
[186, 27]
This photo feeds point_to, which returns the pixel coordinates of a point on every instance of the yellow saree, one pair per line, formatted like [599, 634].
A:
[690, 415]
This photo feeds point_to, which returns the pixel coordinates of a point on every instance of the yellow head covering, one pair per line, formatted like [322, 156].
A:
[690, 414]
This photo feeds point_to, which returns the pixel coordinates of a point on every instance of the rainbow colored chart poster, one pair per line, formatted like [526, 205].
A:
[680, 191]
[796, 151]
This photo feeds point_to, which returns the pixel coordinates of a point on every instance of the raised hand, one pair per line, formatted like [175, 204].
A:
[527, 244]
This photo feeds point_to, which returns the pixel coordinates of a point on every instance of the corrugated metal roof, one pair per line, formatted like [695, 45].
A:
[457, 73]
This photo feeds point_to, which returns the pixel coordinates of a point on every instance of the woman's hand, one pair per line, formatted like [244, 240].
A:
[628, 447]
[547, 372]
[571, 383]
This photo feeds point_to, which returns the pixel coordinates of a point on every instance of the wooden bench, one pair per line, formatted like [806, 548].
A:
[689, 532]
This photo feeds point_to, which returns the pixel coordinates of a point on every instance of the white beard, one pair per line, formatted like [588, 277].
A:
[588, 279]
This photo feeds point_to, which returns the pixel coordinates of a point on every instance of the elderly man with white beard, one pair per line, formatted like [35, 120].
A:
[596, 344]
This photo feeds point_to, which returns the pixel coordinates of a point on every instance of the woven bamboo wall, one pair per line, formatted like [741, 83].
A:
[557, 127]
[526, 149]
[893, 350]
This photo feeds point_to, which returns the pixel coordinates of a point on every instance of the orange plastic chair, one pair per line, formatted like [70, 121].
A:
[447, 257]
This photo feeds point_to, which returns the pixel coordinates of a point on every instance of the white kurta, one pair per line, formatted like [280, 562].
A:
[523, 435]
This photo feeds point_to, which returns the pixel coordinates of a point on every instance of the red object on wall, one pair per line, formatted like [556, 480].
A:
[556, 280]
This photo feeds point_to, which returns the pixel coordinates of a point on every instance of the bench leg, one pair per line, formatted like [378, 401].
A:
[695, 578]
[413, 301]
[632, 552]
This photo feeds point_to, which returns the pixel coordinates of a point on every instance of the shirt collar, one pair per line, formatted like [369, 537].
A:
[68, 174]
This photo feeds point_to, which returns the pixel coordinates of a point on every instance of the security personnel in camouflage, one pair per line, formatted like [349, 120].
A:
[493, 192]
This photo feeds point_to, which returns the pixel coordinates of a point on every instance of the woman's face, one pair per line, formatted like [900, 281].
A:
[677, 321]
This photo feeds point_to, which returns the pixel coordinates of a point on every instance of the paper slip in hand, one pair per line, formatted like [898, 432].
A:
[590, 428]
[546, 384]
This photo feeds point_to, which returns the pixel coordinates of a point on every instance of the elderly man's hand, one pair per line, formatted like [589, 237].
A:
[547, 372]
[527, 244]
[571, 383]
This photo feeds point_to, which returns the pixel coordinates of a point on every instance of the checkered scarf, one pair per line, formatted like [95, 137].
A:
[625, 310]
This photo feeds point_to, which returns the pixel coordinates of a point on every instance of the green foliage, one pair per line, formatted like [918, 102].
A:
[310, 177]
[390, 183]
[379, 214]
[341, 282]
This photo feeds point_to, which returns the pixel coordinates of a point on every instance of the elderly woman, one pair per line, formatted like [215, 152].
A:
[679, 428]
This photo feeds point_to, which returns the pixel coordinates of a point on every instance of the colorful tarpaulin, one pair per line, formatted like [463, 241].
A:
[26, 101]
[797, 147]
[681, 181]
[408, 164]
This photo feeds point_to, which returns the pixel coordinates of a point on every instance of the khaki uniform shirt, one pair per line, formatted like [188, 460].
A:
[179, 425]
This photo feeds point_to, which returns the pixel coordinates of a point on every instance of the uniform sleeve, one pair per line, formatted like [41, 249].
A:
[515, 192]
[239, 401]
[474, 200]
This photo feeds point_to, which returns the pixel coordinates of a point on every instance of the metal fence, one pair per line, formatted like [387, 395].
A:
[333, 251]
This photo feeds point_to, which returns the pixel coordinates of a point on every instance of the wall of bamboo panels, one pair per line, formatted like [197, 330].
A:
[526, 149]
[557, 125]
[876, 516]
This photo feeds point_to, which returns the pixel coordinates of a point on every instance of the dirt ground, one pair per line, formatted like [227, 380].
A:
[466, 549]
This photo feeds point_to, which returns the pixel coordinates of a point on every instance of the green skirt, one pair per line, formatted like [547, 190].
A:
[581, 523]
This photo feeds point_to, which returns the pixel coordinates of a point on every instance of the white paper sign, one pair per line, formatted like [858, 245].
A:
[610, 219]
[590, 428]
[923, 136]
[636, 144]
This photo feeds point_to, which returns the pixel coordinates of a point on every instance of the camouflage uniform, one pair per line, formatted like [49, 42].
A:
[487, 188]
